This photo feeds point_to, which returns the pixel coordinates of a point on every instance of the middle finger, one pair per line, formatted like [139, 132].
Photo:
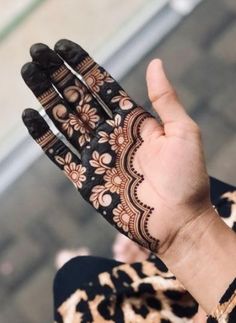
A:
[69, 85]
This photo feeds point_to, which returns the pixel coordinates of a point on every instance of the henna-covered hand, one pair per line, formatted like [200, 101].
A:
[142, 176]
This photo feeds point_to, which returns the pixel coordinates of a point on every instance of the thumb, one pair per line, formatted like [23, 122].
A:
[162, 95]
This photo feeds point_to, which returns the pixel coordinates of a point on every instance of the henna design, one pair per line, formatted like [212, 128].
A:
[106, 175]
[96, 79]
[124, 100]
[130, 214]
[100, 197]
[121, 217]
[100, 162]
[116, 138]
[73, 171]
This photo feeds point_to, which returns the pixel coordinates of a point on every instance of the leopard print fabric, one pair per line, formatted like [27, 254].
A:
[226, 310]
[139, 292]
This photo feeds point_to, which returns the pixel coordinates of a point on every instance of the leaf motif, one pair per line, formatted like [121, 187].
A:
[95, 155]
[111, 123]
[117, 120]
[88, 98]
[116, 99]
[60, 160]
[102, 140]
[68, 158]
[109, 80]
[94, 163]
[104, 137]
[70, 131]
[100, 170]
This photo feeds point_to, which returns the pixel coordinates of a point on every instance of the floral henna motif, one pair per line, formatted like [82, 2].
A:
[95, 78]
[87, 115]
[116, 139]
[121, 217]
[73, 171]
[113, 180]
[71, 124]
[54, 148]
[130, 215]
[106, 175]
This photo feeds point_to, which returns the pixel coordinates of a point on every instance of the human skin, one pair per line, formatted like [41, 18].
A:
[202, 254]
[182, 227]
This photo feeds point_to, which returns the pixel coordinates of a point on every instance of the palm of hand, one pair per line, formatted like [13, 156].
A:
[125, 169]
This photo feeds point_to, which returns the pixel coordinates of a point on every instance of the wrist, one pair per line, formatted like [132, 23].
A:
[203, 257]
[187, 238]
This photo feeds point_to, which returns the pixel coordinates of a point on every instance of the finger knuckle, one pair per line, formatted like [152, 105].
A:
[167, 96]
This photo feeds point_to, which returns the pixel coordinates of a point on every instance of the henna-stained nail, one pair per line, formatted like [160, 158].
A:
[70, 51]
[35, 78]
[35, 123]
[46, 57]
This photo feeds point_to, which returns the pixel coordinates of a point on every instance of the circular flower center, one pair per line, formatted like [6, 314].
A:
[125, 217]
[74, 176]
[84, 117]
[117, 180]
[120, 139]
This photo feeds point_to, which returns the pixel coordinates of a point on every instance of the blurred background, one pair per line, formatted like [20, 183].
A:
[40, 212]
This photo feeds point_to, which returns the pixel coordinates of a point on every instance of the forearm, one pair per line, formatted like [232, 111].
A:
[203, 258]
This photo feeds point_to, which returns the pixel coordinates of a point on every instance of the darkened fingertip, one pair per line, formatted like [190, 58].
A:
[35, 123]
[37, 49]
[32, 74]
[35, 78]
[64, 45]
[70, 51]
[45, 57]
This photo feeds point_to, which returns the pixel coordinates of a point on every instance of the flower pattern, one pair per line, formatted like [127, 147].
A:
[117, 139]
[113, 180]
[73, 171]
[121, 217]
[88, 115]
[97, 78]
[104, 169]
[73, 123]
